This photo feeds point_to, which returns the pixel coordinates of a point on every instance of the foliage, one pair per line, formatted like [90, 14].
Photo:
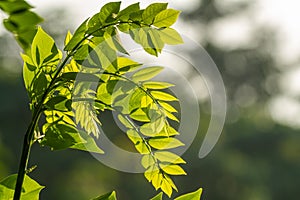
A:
[64, 92]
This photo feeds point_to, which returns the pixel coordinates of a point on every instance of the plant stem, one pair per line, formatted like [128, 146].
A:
[25, 155]
[30, 132]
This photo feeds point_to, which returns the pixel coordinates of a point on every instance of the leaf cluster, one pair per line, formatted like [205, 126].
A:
[96, 75]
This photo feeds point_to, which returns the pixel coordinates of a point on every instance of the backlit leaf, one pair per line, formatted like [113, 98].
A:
[146, 73]
[152, 10]
[170, 36]
[30, 188]
[166, 18]
[166, 187]
[157, 85]
[88, 145]
[165, 143]
[77, 37]
[125, 13]
[172, 169]
[166, 156]
[163, 96]
[157, 180]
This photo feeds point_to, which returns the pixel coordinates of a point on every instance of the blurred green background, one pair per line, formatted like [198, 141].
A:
[257, 156]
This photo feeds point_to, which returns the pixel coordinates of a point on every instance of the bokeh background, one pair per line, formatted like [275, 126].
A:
[256, 46]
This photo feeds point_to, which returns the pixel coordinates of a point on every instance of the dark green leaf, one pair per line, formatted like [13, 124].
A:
[60, 103]
[25, 20]
[125, 13]
[12, 7]
[109, 11]
[61, 136]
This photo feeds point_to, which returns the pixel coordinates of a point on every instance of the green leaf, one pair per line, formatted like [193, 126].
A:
[191, 196]
[163, 96]
[152, 10]
[90, 144]
[153, 128]
[25, 20]
[142, 148]
[60, 103]
[158, 196]
[125, 13]
[170, 36]
[149, 40]
[167, 107]
[126, 65]
[109, 11]
[166, 187]
[43, 49]
[157, 180]
[155, 41]
[171, 116]
[134, 136]
[170, 182]
[165, 143]
[150, 172]
[147, 161]
[125, 121]
[140, 115]
[166, 156]
[108, 196]
[157, 85]
[61, 136]
[30, 188]
[172, 169]
[12, 7]
[115, 43]
[166, 18]
[77, 37]
[167, 131]
[146, 73]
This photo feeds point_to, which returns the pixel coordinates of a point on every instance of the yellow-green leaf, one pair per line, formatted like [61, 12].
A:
[163, 96]
[165, 143]
[157, 85]
[170, 36]
[146, 73]
[172, 169]
[166, 187]
[166, 156]
[166, 18]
